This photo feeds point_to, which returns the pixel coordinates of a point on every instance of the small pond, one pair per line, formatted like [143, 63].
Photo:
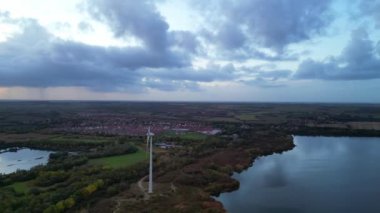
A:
[21, 158]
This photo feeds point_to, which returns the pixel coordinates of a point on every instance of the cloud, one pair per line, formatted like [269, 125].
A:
[268, 23]
[263, 83]
[252, 53]
[259, 76]
[36, 58]
[5, 16]
[129, 17]
[184, 41]
[230, 36]
[371, 8]
[209, 74]
[187, 78]
[141, 20]
[85, 26]
[360, 60]
[170, 85]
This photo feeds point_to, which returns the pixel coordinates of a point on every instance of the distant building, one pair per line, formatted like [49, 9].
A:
[164, 145]
[211, 132]
[180, 130]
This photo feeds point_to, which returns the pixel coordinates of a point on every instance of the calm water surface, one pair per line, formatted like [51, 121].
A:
[23, 159]
[321, 175]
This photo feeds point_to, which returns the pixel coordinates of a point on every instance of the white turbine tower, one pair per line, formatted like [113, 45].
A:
[149, 142]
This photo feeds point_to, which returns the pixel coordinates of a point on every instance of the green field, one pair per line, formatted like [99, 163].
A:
[193, 136]
[56, 138]
[222, 119]
[20, 187]
[81, 139]
[121, 160]
[246, 117]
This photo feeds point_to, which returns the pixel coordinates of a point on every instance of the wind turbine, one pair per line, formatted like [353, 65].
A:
[149, 142]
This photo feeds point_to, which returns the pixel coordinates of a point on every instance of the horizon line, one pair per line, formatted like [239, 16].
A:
[190, 101]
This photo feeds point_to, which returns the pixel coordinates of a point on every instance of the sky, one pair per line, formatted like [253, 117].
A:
[191, 50]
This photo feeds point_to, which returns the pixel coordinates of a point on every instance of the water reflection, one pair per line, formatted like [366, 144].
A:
[322, 174]
[23, 159]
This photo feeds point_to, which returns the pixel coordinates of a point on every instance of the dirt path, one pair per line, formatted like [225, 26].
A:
[118, 205]
[141, 187]
[173, 187]
[120, 200]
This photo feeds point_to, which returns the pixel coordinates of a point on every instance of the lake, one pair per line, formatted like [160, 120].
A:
[321, 174]
[23, 159]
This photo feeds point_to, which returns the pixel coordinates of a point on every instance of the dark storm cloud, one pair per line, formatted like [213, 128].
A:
[359, 60]
[279, 23]
[139, 18]
[36, 58]
[142, 20]
[268, 23]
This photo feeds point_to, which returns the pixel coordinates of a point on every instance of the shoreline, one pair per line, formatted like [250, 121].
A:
[276, 150]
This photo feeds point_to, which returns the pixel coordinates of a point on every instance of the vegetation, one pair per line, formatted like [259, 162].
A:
[98, 172]
[184, 136]
[49, 190]
[247, 117]
[20, 187]
[120, 161]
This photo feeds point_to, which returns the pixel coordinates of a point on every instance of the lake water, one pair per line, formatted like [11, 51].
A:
[321, 175]
[23, 159]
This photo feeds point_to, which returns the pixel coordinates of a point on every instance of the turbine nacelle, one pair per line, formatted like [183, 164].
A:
[149, 133]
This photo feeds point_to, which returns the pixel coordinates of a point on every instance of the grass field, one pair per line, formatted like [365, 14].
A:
[81, 139]
[246, 117]
[193, 136]
[55, 138]
[20, 187]
[121, 160]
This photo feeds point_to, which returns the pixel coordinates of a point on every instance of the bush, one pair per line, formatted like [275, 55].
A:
[48, 178]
